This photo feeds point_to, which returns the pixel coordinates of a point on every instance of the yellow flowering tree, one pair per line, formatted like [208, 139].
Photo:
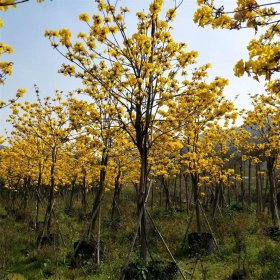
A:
[264, 121]
[6, 67]
[81, 158]
[136, 73]
[47, 120]
[217, 140]
[165, 163]
[263, 51]
[97, 121]
[243, 148]
[123, 170]
[34, 159]
[206, 161]
[199, 110]
[137, 77]
[246, 13]
[11, 172]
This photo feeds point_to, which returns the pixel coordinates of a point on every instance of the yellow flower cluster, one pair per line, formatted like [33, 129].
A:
[84, 17]
[20, 92]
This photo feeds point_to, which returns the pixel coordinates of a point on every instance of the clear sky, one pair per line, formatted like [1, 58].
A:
[35, 62]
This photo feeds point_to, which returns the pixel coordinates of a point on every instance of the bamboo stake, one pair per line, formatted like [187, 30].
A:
[188, 227]
[163, 241]
[45, 225]
[207, 222]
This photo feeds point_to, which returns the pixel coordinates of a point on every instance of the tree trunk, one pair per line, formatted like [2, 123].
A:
[48, 214]
[229, 193]
[258, 192]
[174, 192]
[261, 182]
[235, 183]
[97, 201]
[38, 199]
[84, 189]
[115, 213]
[153, 197]
[216, 200]
[98, 237]
[242, 182]
[187, 193]
[196, 201]
[72, 192]
[141, 201]
[160, 196]
[180, 190]
[26, 186]
[273, 195]
[249, 182]
[168, 202]
[222, 196]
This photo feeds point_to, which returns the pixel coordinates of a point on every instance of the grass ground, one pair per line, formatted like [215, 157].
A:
[242, 239]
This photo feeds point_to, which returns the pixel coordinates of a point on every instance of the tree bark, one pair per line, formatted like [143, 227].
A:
[84, 190]
[273, 195]
[72, 192]
[115, 213]
[249, 182]
[168, 202]
[216, 200]
[196, 201]
[97, 201]
[141, 201]
[242, 182]
[258, 192]
[38, 199]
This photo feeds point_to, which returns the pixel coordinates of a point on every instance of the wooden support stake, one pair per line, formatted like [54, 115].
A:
[188, 227]
[207, 222]
[163, 241]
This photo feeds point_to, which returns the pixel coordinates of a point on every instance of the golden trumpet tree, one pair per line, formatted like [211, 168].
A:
[48, 121]
[263, 120]
[27, 167]
[218, 171]
[243, 149]
[245, 14]
[123, 171]
[263, 51]
[165, 163]
[10, 168]
[78, 163]
[22, 167]
[6, 67]
[200, 109]
[97, 121]
[136, 75]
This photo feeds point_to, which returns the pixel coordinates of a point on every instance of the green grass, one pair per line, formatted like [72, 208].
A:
[19, 258]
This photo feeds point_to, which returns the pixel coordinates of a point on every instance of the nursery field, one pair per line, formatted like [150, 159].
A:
[244, 244]
[125, 154]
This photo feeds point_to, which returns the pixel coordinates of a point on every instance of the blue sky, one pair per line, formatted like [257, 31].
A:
[35, 62]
